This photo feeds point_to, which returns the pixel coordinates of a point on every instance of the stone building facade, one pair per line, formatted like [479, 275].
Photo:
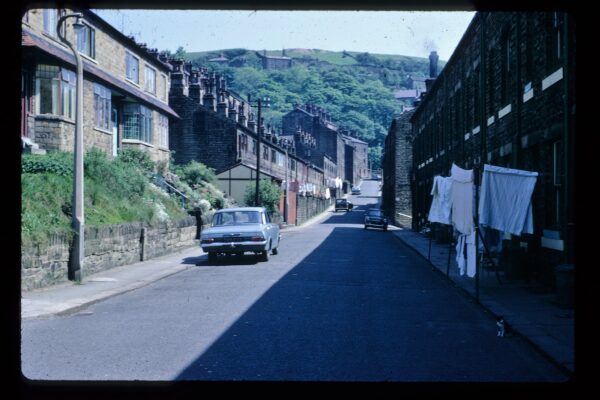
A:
[357, 159]
[220, 130]
[329, 140]
[125, 87]
[274, 62]
[396, 195]
[506, 97]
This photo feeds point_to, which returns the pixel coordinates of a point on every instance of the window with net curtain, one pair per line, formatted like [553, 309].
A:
[102, 107]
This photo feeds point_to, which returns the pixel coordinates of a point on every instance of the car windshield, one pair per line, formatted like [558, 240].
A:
[341, 201]
[236, 218]
[375, 213]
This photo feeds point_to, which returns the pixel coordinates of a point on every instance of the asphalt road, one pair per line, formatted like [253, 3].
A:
[338, 303]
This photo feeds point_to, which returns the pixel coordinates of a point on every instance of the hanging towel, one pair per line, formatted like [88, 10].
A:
[462, 199]
[441, 204]
[505, 201]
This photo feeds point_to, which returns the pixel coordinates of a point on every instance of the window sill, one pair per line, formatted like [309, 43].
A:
[54, 117]
[136, 141]
[137, 85]
[552, 79]
[88, 58]
[103, 130]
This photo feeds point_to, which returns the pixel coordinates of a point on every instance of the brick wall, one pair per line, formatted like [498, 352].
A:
[105, 247]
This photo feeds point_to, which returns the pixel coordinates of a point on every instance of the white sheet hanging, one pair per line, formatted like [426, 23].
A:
[462, 199]
[441, 205]
[505, 199]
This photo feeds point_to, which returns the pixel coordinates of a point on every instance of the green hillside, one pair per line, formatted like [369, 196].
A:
[356, 88]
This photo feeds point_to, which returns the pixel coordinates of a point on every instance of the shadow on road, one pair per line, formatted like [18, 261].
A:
[202, 261]
[289, 332]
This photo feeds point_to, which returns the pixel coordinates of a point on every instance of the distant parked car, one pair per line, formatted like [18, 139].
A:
[240, 230]
[355, 190]
[343, 204]
[374, 217]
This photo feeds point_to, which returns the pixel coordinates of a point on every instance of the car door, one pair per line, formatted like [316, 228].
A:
[271, 230]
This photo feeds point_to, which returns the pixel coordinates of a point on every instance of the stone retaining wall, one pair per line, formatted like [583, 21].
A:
[105, 247]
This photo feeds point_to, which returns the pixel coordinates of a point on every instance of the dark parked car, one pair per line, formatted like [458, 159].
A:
[343, 204]
[237, 230]
[374, 217]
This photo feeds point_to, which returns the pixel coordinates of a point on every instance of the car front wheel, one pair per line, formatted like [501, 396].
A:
[212, 257]
[264, 255]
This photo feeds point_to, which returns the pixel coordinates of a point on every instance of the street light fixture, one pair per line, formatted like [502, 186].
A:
[78, 222]
[260, 105]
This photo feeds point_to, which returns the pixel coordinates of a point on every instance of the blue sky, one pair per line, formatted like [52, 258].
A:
[385, 32]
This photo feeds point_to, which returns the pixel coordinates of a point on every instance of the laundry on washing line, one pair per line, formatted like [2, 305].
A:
[462, 199]
[441, 204]
[505, 199]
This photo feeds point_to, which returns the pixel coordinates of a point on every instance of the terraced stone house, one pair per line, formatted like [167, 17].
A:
[125, 87]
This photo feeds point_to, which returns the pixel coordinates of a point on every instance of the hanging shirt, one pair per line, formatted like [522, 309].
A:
[505, 201]
[441, 204]
[462, 199]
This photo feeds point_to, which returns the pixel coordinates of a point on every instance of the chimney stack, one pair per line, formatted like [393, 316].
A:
[242, 114]
[233, 114]
[209, 98]
[252, 122]
[222, 105]
[433, 60]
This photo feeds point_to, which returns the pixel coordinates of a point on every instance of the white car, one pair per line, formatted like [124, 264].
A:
[240, 230]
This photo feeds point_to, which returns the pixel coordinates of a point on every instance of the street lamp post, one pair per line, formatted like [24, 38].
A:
[78, 222]
[259, 104]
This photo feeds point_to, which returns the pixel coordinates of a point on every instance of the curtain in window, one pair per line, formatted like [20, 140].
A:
[102, 107]
[132, 68]
[150, 81]
[85, 41]
[50, 20]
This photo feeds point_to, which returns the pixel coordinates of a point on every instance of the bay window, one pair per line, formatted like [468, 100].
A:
[137, 122]
[163, 130]
[55, 90]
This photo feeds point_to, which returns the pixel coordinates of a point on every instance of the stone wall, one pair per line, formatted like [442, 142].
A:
[105, 247]
[308, 207]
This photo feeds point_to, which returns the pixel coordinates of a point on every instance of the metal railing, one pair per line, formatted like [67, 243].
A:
[162, 183]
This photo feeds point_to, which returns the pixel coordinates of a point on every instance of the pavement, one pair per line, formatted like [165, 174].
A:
[533, 316]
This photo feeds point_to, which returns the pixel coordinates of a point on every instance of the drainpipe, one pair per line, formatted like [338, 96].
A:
[568, 222]
[516, 151]
[482, 138]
